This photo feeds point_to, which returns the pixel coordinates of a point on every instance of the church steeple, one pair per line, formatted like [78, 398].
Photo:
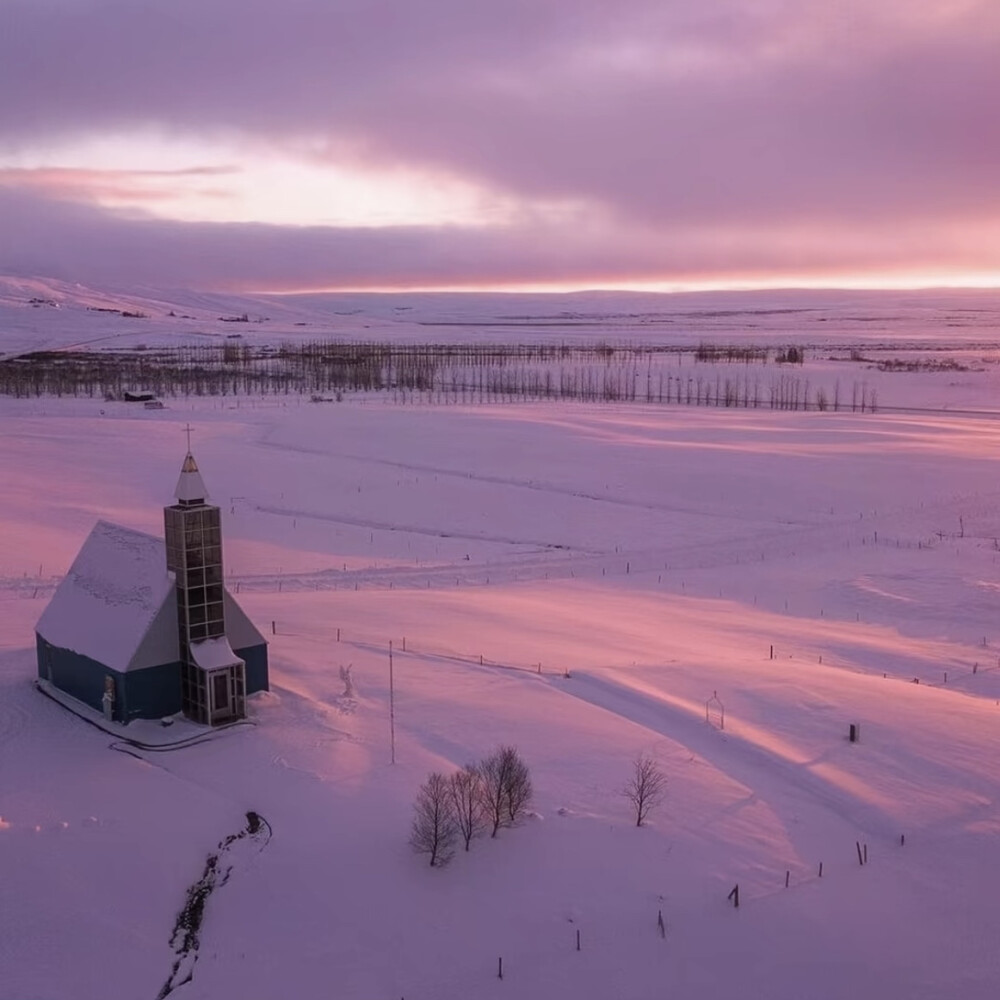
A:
[190, 486]
[213, 684]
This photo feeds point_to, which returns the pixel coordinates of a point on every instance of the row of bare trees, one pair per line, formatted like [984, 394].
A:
[486, 796]
[457, 808]
[431, 373]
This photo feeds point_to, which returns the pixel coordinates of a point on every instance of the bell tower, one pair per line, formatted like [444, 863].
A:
[212, 677]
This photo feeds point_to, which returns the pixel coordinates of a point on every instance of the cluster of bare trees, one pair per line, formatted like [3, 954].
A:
[236, 367]
[747, 354]
[486, 796]
[455, 809]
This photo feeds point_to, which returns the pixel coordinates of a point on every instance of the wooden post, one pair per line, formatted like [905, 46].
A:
[661, 926]
[392, 712]
[787, 875]
[578, 939]
[338, 635]
[500, 967]
[273, 629]
[864, 851]
[734, 895]
[857, 844]
[821, 869]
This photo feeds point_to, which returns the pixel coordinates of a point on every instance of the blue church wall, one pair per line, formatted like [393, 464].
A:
[153, 692]
[255, 658]
[139, 694]
[77, 675]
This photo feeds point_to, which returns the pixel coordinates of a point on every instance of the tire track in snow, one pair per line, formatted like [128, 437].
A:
[360, 522]
[523, 484]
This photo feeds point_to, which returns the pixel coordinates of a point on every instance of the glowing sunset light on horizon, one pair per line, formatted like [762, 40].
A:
[322, 145]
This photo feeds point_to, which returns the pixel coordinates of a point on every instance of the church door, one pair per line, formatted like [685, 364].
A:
[221, 693]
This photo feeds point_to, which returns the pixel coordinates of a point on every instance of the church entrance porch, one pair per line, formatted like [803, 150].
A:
[218, 696]
[226, 695]
[216, 690]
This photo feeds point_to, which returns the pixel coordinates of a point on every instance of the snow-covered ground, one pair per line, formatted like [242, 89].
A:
[43, 313]
[577, 580]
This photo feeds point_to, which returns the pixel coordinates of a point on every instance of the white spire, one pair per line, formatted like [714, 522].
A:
[190, 485]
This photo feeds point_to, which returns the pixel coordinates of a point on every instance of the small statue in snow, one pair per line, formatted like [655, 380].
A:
[345, 676]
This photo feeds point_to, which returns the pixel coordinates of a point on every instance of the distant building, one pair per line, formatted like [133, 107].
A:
[142, 629]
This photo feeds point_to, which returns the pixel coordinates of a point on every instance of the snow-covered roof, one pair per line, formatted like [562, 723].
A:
[190, 485]
[117, 604]
[211, 654]
[241, 632]
[117, 589]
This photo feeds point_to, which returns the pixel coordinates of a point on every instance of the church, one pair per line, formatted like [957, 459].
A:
[144, 628]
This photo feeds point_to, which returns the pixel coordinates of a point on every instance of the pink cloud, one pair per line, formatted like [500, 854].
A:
[86, 185]
[767, 123]
[44, 236]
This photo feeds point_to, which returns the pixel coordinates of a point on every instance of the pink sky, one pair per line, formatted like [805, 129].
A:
[453, 143]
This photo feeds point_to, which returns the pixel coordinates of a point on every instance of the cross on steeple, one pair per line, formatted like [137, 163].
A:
[187, 430]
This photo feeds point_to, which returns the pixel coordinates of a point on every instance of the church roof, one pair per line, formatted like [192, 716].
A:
[113, 594]
[190, 485]
[118, 605]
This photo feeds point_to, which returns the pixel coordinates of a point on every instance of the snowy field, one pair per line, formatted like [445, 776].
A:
[577, 580]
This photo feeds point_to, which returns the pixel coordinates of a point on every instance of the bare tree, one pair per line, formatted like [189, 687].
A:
[645, 788]
[517, 784]
[434, 827]
[467, 805]
[506, 787]
[493, 771]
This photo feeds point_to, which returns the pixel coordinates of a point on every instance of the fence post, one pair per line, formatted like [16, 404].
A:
[392, 713]
[734, 895]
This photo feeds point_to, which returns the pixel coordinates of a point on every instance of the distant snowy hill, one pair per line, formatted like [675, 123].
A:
[41, 313]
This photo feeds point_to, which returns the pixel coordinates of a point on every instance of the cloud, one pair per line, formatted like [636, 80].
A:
[111, 186]
[760, 124]
[45, 236]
